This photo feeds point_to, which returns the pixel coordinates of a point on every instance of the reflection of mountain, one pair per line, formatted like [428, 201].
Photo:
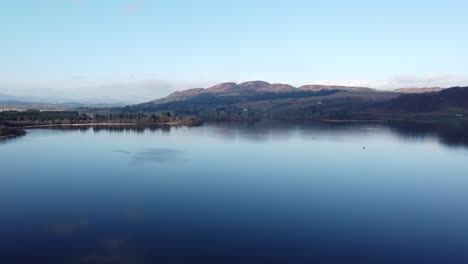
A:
[157, 155]
[10, 132]
[449, 134]
[115, 128]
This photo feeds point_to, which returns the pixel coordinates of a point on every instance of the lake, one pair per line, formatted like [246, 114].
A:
[267, 192]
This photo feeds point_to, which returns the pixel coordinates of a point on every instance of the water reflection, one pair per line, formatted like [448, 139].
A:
[134, 215]
[64, 230]
[112, 128]
[304, 188]
[112, 251]
[121, 151]
[156, 155]
[253, 131]
[11, 139]
[451, 134]
[69, 229]
[132, 128]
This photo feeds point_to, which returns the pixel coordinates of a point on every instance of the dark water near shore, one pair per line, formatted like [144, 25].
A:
[236, 193]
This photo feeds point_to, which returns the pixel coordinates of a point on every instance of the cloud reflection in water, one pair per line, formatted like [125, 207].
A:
[121, 151]
[156, 155]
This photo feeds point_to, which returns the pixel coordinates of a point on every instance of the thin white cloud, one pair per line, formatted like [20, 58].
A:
[135, 89]
[404, 81]
[127, 90]
[133, 7]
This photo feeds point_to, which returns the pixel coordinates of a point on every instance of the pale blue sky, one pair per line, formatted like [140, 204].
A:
[138, 49]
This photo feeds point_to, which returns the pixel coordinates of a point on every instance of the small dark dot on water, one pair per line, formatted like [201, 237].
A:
[363, 147]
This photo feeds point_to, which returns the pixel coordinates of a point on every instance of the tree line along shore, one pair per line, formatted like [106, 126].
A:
[12, 122]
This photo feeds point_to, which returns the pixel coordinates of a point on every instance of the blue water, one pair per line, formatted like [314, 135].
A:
[267, 192]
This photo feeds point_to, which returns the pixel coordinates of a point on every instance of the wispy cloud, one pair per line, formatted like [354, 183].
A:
[128, 90]
[132, 7]
[426, 81]
[141, 88]
[404, 81]
[129, 7]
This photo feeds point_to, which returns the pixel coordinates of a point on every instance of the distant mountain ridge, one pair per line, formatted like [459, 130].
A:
[52, 103]
[455, 98]
[258, 87]
[259, 99]
[250, 88]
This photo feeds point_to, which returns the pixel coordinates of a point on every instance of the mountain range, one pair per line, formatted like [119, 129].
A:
[53, 103]
[258, 99]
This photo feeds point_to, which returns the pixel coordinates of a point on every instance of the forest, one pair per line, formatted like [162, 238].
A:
[40, 118]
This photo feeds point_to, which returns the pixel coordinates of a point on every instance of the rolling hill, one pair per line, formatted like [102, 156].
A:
[452, 99]
[258, 99]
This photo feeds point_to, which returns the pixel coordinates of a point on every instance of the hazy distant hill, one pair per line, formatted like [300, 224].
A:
[19, 105]
[52, 103]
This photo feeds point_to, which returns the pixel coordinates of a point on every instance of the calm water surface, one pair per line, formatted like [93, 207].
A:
[236, 193]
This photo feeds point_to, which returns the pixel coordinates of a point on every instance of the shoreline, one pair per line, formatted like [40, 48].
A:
[15, 132]
[103, 124]
[8, 136]
[353, 121]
